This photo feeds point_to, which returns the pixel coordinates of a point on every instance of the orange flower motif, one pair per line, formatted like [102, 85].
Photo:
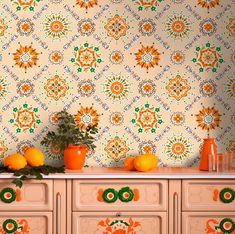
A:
[86, 27]
[231, 27]
[25, 88]
[147, 149]
[147, 27]
[116, 57]
[55, 118]
[56, 87]
[116, 118]
[178, 87]
[178, 118]
[208, 88]
[208, 118]
[178, 148]
[207, 27]
[87, 3]
[3, 27]
[116, 27]
[86, 117]
[117, 148]
[147, 57]
[56, 57]
[208, 4]
[178, 57]
[26, 57]
[208, 58]
[178, 26]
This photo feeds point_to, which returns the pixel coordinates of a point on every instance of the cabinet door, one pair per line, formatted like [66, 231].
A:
[208, 195]
[26, 222]
[34, 195]
[208, 222]
[128, 223]
[120, 195]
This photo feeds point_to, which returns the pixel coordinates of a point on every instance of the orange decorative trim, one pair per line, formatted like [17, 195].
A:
[118, 226]
[216, 195]
[136, 194]
[100, 195]
[18, 195]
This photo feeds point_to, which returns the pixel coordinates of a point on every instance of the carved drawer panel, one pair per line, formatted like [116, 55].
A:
[26, 222]
[208, 195]
[208, 222]
[124, 195]
[109, 222]
[34, 195]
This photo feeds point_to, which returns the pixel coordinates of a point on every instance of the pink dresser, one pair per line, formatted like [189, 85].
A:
[112, 201]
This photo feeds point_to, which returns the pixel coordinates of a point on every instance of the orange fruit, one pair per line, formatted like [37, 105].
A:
[34, 157]
[15, 162]
[129, 164]
[145, 162]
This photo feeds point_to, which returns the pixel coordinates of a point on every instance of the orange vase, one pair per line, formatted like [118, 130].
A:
[75, 156]
[209, 147]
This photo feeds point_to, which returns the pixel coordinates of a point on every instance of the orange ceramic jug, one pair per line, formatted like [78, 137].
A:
[75, 156]
[209, 147]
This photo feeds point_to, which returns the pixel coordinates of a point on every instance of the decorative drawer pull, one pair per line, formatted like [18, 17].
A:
[110, 195]
[125, 194]
[9, 195]
[12, 226]
[227, 195]
[227, 225]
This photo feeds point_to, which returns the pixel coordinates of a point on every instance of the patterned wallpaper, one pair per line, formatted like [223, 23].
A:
[156, 75]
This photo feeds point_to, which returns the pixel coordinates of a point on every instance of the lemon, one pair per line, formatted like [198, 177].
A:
[145, 162]
[34, 157]
[15, 162]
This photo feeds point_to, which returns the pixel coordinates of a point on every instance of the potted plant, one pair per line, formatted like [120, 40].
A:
[72, 140]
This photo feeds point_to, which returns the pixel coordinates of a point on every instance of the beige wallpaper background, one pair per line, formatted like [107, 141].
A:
[156, 75]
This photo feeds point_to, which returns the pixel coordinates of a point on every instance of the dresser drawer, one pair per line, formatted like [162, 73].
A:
[34, 195]
[208, 195]
[208, 222]
[123, 195]
[109, 222]
[26, 222]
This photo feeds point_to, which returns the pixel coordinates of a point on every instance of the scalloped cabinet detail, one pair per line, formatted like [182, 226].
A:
[118, 206]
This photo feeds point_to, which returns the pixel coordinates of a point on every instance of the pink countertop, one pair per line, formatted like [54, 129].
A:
[120, 173]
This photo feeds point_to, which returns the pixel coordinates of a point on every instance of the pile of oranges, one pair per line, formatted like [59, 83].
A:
[32, 157]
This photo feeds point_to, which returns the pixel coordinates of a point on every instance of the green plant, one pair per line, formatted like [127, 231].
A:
[31, 173]
[69, 133]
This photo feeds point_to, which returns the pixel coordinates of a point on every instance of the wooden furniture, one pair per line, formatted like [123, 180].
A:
[95, 200]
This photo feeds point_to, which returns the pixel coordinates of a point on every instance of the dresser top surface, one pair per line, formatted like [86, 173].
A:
[121, 173]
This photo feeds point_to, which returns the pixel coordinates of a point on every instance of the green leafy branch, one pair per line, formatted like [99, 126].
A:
[31, 173]
[69, 133]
